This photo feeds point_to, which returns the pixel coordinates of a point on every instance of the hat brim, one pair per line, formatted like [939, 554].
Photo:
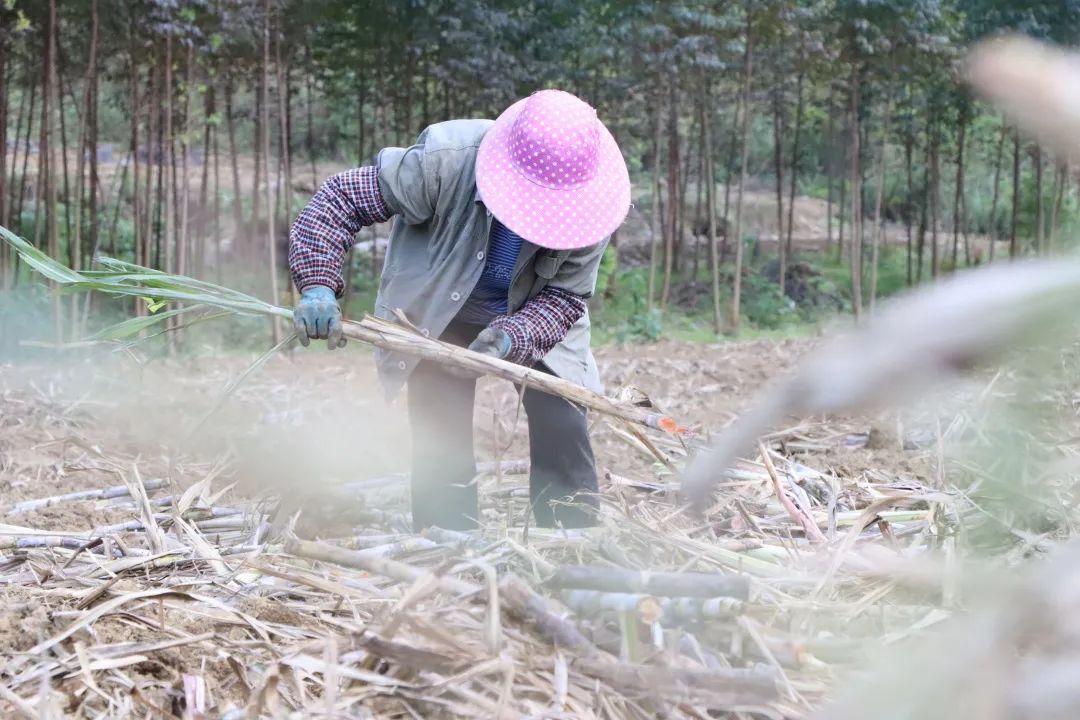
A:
[554, 218]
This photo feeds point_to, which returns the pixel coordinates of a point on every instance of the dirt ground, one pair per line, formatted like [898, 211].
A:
[314, 416]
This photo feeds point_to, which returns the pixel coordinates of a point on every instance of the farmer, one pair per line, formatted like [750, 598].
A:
[501, 227]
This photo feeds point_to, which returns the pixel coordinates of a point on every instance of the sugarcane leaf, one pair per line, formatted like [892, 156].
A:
[201, 319]
[154, 287]
[115, 265]
[135, 325]
[39, 260]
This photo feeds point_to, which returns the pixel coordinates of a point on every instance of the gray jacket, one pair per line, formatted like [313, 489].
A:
[438, 245]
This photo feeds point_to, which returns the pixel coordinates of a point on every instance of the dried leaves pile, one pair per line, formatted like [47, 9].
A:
[173, 594]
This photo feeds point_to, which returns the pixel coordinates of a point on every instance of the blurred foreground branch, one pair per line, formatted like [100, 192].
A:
[970, 320]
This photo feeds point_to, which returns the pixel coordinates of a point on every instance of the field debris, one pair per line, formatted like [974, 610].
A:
[167, 588]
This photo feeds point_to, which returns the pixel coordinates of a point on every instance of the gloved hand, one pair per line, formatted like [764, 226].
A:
[317, 315]
[493, 342]
[490, 341]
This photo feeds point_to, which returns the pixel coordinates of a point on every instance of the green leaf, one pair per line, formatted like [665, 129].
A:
[156, 288]
[38, 260]
[135, 325]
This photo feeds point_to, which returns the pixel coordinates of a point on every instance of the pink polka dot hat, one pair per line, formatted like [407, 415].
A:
[550, 171]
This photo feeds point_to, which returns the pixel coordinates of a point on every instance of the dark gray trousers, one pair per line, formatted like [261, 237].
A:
[444, 464]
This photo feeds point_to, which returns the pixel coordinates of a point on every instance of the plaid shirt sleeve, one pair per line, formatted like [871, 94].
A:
[325, 229]
[540, 324]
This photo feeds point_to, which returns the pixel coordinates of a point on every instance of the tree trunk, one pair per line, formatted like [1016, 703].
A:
[748, 74]
[361, 120]
[960, 142]
[44, 129]
[199, 260]
[183, 242]
[1039, 225]
[1013, 245]
[111, 235]
[265, 104]
[284, 124]
[841, 218]
[655, 219]
[997, 187]
[169, 154]
[260, 131]
[215, 230]
[684, 176]
[710, 207]
[778, 158]
[50, 100]
[230, 126]
[924, 206]
[702, 174]
[3, 142]
[6, 256]
[136, 205]
[830, 144]
[26, 161]
[87, 145]
[153, 156]
[75, 240]
[64, 190]
[909, 200]
[15, 201]
[728, 163]
[935, 198]
[795, 147]
[879, 227]
[856, 200]
[92, 138]
[309, 138]
[1059, 198]
[673, 198]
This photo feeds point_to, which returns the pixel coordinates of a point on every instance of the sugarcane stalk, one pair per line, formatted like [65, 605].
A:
[363, 542]
[650, 608]
[197, 515]
[127, 279]
[42, 541]
[399, 547]
[668, 584]
[374, 563]
[395, 338]
[108, 493]
[455, 537]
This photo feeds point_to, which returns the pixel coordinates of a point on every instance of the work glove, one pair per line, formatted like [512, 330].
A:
[317, 315]
[490, 341]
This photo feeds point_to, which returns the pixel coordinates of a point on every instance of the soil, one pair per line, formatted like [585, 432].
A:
[311, 420]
